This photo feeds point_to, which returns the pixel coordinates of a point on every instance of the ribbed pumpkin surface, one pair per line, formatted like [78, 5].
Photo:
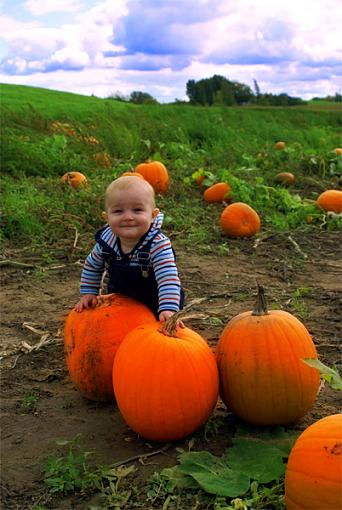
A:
[262, 377]
[91, 339]
[165, 386]
[313, 479]
[156, 174]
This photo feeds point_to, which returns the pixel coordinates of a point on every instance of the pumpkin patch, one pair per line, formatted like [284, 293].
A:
[187, 431]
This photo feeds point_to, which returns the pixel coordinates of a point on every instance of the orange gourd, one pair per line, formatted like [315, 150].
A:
[156, 174]
[91, 339]
[313, 478]
[280, 146]
[74, 179]
[239, 220]
[285, 178]
[338, 151]
[330, 200]
[165, 381]
[217, 192]
[263, 379]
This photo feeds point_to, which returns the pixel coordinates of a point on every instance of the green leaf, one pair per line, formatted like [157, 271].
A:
[213, 475]
[328, 374]
[259, 461]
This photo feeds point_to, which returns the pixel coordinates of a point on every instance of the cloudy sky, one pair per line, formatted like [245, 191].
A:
[104, 47]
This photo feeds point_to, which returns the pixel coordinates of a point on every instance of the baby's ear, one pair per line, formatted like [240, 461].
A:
[104, 216]
[155, 213]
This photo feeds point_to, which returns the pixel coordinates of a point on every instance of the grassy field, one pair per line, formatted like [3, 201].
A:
[46, 133]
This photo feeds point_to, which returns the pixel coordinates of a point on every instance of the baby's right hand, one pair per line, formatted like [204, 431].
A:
[86, 301]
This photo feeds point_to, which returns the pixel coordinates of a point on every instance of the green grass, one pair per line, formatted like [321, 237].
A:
[45, 133]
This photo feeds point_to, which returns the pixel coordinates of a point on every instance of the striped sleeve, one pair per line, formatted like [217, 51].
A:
[92, 271]
[166, 273]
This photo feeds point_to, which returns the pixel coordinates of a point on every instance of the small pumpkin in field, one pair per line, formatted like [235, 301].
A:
[239, 220]
[217, 192]
[74, 179]
[338, 151]
[286, 178]
[313, 478]
[330, 200]
[280, 146]
[91, 339]
[263, 379]
[156, 174]
[165, 381]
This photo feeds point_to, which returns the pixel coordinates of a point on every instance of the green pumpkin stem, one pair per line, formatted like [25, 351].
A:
[260, 307]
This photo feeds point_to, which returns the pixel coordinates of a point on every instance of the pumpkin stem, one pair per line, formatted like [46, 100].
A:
[260, 307]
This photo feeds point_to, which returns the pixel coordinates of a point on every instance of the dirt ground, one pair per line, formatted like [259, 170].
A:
[300, 273]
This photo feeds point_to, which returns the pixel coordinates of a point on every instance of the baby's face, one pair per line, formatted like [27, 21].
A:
[130, 212]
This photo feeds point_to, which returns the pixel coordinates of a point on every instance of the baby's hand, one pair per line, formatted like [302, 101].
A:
[166, 314]
[86, 301]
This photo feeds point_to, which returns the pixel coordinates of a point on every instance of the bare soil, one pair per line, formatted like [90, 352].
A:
[301, 274]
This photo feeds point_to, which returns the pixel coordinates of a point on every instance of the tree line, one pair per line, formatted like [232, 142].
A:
[220, 91]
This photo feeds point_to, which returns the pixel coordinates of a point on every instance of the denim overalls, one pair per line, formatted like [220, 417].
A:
[136, 281]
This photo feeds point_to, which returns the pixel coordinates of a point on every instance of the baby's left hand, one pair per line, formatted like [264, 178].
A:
[166, 314]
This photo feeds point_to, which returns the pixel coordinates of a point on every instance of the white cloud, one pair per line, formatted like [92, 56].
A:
[43, 7]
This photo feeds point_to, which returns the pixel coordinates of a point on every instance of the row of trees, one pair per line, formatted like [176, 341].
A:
[218, 90]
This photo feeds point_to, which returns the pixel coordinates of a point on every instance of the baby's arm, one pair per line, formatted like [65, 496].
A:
[91, 279]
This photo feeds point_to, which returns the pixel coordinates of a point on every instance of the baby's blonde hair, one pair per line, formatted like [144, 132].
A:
[125, 182]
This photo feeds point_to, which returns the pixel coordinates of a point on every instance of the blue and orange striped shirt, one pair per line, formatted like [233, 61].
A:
[162, 260]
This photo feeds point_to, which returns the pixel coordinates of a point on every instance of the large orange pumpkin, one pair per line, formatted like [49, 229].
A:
[165, 382]
[217, 192]
[156, 174]
[74, 179]
[91, 339]
[313, 479]
[263, 379]
[286, 178]
[239, 220]
[330, 200]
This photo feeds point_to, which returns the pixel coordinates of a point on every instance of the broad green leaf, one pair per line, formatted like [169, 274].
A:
[178, 479]
[259, 460]
[328, 374]
[213, 475]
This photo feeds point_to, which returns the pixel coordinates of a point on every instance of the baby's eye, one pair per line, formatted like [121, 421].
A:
[117, 211]
[138, 209]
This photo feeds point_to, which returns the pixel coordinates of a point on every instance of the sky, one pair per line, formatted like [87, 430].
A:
[109, 47]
